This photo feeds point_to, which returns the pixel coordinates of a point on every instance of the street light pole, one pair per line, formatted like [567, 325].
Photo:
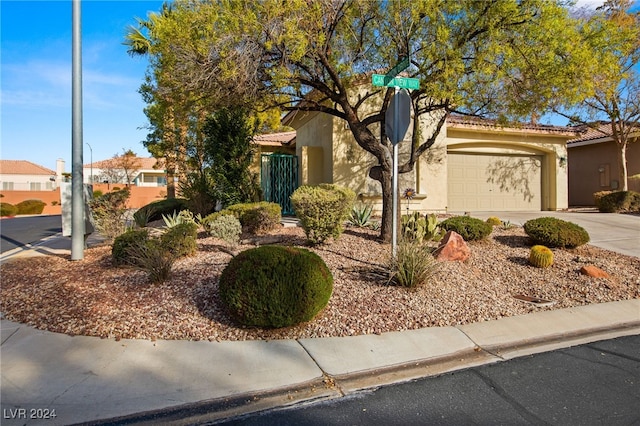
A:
[90, 159]
[77, 192]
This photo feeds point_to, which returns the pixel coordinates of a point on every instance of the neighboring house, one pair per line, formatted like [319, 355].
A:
[146, 172]
[475, 165]
[594, 165]
[21, 175]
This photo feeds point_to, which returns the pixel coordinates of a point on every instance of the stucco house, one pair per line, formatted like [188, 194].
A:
[594, 166]
[148, 172]
[475, 164]
[22, 175]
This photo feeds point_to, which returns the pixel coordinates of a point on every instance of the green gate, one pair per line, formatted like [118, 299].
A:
[278, 179]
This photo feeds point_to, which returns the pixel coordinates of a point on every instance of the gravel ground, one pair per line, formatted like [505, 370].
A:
[92, 297]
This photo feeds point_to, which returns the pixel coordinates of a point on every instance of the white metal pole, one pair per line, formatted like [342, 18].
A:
[77, 193]
[396, 125]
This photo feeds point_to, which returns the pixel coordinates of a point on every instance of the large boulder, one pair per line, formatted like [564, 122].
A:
[453, 247]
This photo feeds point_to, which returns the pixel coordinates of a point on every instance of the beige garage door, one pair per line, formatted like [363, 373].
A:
[479, 182]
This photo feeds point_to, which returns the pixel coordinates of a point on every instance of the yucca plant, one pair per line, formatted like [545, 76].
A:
[413, 264]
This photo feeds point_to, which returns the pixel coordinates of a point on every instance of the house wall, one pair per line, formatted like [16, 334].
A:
[314, 145]
[15, 182]
[594, 168]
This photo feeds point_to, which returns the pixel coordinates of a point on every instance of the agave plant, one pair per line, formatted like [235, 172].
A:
[361, 215]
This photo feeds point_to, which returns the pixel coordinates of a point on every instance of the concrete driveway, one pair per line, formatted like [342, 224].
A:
[611, 231]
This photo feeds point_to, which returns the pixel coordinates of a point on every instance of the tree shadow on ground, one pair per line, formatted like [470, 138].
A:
[513, 240]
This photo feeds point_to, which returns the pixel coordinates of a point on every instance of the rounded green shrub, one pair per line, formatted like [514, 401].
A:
[7, 209]
[553, 232]
[257, 218]
[541, 256]
[123, 243]
[469, 228]
[154, 211]
[181, 239]
[31, 207]
[619, 202]
[322, 210]
[225, 227]
[275, 286]
[494, 221]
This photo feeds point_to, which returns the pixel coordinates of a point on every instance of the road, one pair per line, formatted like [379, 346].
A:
[19, 231]
[593, 384]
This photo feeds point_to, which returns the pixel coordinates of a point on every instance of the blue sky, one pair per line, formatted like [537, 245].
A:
[35, 79]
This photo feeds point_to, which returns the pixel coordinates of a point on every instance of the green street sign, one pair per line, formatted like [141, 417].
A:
[400, 66]
[401, 82]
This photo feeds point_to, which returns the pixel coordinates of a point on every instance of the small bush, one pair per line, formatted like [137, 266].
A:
[552, 232]
[598, 195]
[7, 209]
[154, 211]
[31, 207]
[123, 242]
[322, 210]
[225, 227]
[274, 286]
[257, 218]
[97, 193]
[361, 215]
[494, 221]
[619, 202]
[469, 228]
[181, 240]
[152, 257]
[413, 264]
[109, 213]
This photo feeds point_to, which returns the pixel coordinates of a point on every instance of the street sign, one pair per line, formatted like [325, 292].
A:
[400, 66]
[398, 116]
[401, 82]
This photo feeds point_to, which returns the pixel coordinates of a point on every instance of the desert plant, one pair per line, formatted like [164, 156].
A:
[31, 207]
[506, 224]
[433, 231]
[413, 227]
[152, 257]
[154, 211]
[7, 209]
[619, 202]
[413, 264]
[322, 210]
[123, 242]
[225, 227]
[540, 256]
[469, 228]
[181, 239]
[257, 218]
[184, 216]
[275, 286]
[553, 232]
[109, 213]
[494, 221]
[360, 215]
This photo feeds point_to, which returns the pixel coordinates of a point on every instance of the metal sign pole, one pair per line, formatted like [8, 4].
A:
[396, 129]
[77, 196]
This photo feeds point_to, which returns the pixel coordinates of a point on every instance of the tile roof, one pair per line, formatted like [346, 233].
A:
[276, 139]
[23, 167]
[594, 131]
[457, 121]
[146, 163]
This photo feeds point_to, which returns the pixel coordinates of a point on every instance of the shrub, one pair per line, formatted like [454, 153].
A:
[97, 193]
[552, 232]
[598, 195]
[322, 210]
[7, 209]
[225, 227]
[123, 242]
[257, 218]
[540, 256]
[31, 206]
[185, 216]
[154, 211]
[274, 286]
[494, 221]
[469, 228]
[109, 213]
[181, 240]
[361, 215]
[413, 264]
[152, 257]
[619, 202]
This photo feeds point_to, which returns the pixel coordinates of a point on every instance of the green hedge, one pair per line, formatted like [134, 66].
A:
[154, 211]
[553, 232]
[469, 228]
[257, 218]
[7, 209]
[31, 207]
[618, 202]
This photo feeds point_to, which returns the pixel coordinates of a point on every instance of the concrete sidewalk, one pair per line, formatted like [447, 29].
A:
[88, 379]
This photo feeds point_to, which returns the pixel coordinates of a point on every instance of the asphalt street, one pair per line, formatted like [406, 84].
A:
[592, 384]
[20, 231]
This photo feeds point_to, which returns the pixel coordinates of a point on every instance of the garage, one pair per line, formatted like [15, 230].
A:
[492, 182]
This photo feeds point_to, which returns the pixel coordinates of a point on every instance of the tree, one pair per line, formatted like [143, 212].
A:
[121, 168]
[612, 35]
[502, 59]
[229, 152]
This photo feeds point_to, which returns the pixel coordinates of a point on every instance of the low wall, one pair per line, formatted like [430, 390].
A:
[140, 196]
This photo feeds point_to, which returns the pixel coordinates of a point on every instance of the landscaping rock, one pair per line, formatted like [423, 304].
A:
[453, 247]
[593, 271]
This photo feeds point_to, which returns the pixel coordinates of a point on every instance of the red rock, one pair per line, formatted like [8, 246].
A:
[593, 271]
[453, 247]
